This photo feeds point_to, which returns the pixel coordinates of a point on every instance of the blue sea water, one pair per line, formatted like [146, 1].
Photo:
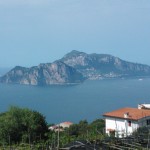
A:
[88, 100]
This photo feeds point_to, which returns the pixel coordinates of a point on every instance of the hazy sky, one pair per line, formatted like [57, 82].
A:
[38, 31]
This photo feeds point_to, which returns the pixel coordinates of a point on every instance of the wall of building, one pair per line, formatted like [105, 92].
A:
[121, 126]
[143, 122]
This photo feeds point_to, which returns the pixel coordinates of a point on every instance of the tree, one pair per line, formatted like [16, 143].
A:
[98, 125]
[85, 131]
[19, 124]
[74, 130]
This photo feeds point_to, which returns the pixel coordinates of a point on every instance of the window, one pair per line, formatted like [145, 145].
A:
[112, 133]
[129, 123]
[148, 121]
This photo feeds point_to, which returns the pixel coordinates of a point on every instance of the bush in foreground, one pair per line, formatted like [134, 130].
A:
[22, 125]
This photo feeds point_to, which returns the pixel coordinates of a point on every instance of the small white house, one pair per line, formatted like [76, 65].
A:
[60, 126]
[65, 124]
[123, 122]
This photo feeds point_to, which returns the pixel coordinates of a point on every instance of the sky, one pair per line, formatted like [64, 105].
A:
[41, 31]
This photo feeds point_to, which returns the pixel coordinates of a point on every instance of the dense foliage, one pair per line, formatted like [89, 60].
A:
[83, 131]
[22, 125]
[24, 128]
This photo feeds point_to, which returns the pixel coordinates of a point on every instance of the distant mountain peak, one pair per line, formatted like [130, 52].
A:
[95, 66]
[19, 67]
[44, 74]
[75, 67]
[74, 53]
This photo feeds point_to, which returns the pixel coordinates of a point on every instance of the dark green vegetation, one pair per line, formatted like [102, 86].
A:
[83, 131]
[75, 67]
[24, 128]
[22, 125]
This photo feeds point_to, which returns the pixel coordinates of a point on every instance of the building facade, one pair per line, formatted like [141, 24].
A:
[123, 122]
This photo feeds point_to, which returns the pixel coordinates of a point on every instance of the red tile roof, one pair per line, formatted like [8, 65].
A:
[69, 123]
[133, 113]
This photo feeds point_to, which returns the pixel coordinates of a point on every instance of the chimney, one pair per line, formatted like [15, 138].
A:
[126, 115]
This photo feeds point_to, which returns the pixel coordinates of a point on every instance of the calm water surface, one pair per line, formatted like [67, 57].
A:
[73, 103]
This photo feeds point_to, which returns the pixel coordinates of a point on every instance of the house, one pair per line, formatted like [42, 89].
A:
[123, 122]
[144, 106]
[65, 124]
[61, 126]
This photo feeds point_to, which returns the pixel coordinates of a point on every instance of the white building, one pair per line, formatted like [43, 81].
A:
[65, 124]
[144, 106]
[60, 126]
[124, 121]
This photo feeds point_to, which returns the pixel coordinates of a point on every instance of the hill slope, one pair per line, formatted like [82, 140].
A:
[75, 67]
[44, 74]
[94, 66]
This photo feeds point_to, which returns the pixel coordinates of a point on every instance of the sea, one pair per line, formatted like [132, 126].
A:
[88, 100]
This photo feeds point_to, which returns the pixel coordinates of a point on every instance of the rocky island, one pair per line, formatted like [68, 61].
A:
[96, 66]
[44, 74]
[75, 67]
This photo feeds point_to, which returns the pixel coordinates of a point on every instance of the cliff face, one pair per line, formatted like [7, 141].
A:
[44, 74]
[75, 67]
[95, 66]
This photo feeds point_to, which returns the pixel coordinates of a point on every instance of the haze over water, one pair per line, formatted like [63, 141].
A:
[76, 102]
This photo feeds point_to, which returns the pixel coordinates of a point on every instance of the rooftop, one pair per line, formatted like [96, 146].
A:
[129, 113]
[144, 106]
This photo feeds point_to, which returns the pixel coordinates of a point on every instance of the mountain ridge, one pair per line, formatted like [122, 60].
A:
[75, 67]
[43, 74]
[104, 65]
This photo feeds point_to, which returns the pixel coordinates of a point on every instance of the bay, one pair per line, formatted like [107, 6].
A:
[89, 100]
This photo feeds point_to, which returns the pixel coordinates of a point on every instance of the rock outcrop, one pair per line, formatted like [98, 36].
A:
[95, 66]
[75, 67]
[44, 74]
